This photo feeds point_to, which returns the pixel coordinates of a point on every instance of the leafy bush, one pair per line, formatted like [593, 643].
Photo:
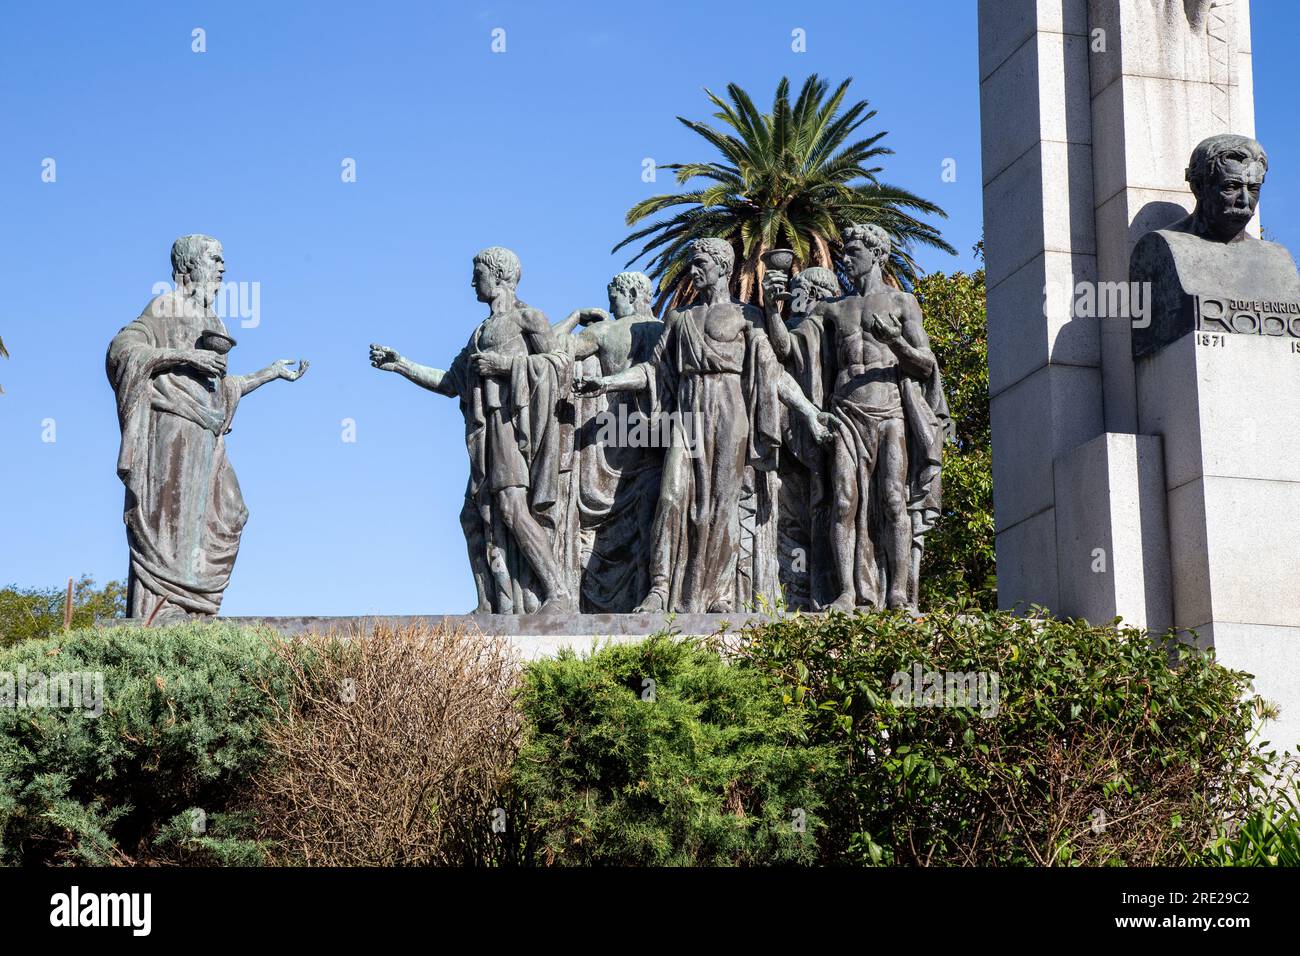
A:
[1099, 751]
[660, 753]
[391, 750]
[180, 730]
[1269, 836]
[958, 557]
[792, 742]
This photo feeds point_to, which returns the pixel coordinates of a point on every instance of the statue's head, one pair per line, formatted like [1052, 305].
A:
[810, 287]
[711, 261]
[495, 268]
[1226, 173]
[866, 246]
[198, 264]
[629, 294]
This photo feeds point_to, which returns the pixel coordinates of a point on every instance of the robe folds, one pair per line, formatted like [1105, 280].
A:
[804, 505]
[618, 464]
[924, 411]
[515, 439]
[721, 399]
[184, 512]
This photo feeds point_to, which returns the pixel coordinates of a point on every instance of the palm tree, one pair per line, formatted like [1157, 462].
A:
[787, 181]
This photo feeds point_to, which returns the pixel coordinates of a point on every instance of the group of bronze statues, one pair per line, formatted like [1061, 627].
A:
[716, 460]
[709, 462]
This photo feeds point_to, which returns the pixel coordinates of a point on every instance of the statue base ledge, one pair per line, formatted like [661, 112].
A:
[532, 635]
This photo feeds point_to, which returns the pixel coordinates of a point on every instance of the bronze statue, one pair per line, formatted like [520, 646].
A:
[510, 379]
[887, 396]
[803, 501]
[617, 459]
[715, 376]
[1205, 271]
[184, 512]
[708, 462]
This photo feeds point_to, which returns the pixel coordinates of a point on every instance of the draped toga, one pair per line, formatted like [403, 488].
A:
[184, 512]
[618, 465]
[721, 396]
[513, 436]
[803, 520]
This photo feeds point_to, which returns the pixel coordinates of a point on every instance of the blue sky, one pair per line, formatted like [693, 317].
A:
[539, 148]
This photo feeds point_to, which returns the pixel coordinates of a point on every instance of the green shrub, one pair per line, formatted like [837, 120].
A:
[180, 731]
[660, 753]
[1269, 836]
[1099, 751]
[788, 743]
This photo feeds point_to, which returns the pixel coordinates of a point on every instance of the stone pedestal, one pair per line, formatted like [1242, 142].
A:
[1226, 407]
[1164, 75]
[1112, 543]
[1089, 110]
[1180, 468]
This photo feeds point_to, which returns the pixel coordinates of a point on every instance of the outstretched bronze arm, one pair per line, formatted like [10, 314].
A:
[275, 370]
[390, 360]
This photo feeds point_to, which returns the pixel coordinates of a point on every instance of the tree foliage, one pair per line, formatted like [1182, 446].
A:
[791, 178]
[1086, 748]
[959, 559]
[33, 613]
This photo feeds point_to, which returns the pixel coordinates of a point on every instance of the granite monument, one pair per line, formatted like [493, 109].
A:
[1205, 271]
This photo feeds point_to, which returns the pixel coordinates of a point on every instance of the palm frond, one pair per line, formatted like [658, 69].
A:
[794, 177]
